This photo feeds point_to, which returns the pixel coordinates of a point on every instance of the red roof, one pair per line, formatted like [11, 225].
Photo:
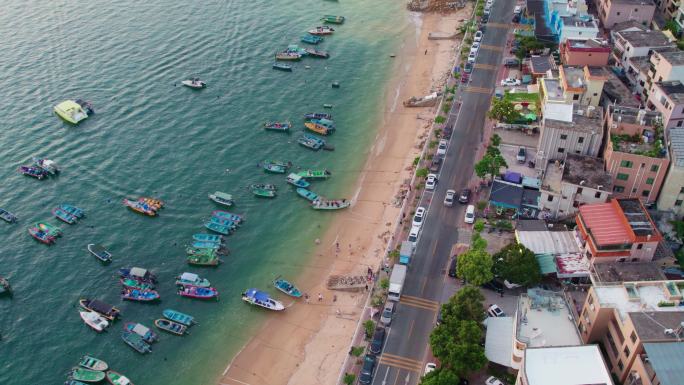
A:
[606, 223]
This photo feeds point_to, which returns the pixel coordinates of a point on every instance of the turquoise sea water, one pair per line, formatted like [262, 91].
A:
[150, 137]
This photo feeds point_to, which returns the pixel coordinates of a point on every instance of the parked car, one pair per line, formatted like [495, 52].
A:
[413, 235]
[366, 375]
[442, 147]
[470, 214]
[378, 340]
[511, 62]
[435, 164]
[464, 197]
[453, 265]
[510, 82]
[522, 155]
[387, 312]
[483, 27]
[495, 311]
[517, 10]
[516, 18]
[465, 77]
[494, 286]
[418, 217]
[468, 68]
[431, 182]
[449, 198]
[485, 19]
[430, 367]
[471, 57]
[493, 381]
[477, 36]
[475, 45]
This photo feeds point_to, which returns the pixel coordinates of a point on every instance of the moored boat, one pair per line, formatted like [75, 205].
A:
[318, 128]
[287, 287]
[140, 207]
[327, 123]
[332, 19]
[314, 174]
[203, 260]
[322, 30]
[143, 331]
[71, 111]
[41, 236]
[138, 273]
[5, 287]
[278, 126]
[195, 83]
[334, 204]
[136, 342]
[87, 375]
[308, 194]
[311, 142]
[317, 53]
[73, 210]
[235, 218]
[94, 320]
[276, 167]
[207, 245]
[107, 311]
[171, 326]
[327, 105]
[50, 166]
[288, 56]
[7, 216]
[222, 198]
[317, 115]
[71, 381]
[178, 317]
[282, 67]
[263, 190]
[196, 251]
[93, 363]
[192, 279]
[64, 216]
[297, 181]
[198, 292]
[311, 39]
[224, 222]
[262, 299]
[115, 378]
[207, 237]
[34, 172]
[221, 229]
[49, 228]
[133, 284]
[131, 294]
[100, 252]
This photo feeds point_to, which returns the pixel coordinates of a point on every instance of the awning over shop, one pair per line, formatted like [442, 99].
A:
[498, 343]
[547, 263]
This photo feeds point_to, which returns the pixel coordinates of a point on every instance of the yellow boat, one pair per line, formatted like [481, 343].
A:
[71, 111]
[317, 128]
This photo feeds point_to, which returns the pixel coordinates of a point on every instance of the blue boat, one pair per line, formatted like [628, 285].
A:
[225, 214]
[312, 142]
[64, 216]
[221, 229]
[308, 194]
[317, 115]
[223, 222]
[143, 331]
[282, 67]
[181, 318]
[131, 294]
[311, 39]
[287, 288]
[206, 245]
[327, 123]
[207, 237]
[73, 210]
[297, 181]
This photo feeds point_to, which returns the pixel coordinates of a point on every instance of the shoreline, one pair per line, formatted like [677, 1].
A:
[308, 343]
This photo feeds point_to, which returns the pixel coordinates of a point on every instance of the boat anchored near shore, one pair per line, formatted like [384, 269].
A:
[262, 299]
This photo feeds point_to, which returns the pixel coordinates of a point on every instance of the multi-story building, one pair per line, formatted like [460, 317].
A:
[636, 72]
[591, 52]
[578, 180]
[659, 364]
[612, 12]
[668, 99]
[665, 65]
[576, 85]
[576, 27]
[617, 231]
[635, 152]
[668, 8]
[565, 365]
[672, 192]
[629, 44]
[624, 317]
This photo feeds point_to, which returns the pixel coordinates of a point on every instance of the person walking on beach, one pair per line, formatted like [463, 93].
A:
[306, 297]
[320, 297]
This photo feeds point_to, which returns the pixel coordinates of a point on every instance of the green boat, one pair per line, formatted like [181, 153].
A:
[87, 375]
[181, 318]
[115, 378]
[314, 174]
[276, 167]
[308, 194]
[332, 19]
[135, 284]
[287, 287]
[263, 190]
[203, 260]
[50, 229]
[198, 251]
[93, 363]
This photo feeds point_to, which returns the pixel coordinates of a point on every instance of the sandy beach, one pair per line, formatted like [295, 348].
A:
[308, 343]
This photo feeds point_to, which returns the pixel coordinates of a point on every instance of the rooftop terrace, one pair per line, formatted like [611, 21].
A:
[651, 326]
[647, 141]
[593, 45]
[603, 273]
[674, 57]
[674, 89]
[645, 38]
[637, 217]
[581, 123]
[544, 319]
[573, 77]
[578, 170]
[567, 365]
[631, 297]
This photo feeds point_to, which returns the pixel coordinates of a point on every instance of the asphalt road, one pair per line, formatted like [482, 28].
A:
[405, 352]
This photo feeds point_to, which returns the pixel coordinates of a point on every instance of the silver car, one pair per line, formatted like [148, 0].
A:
[387, 312]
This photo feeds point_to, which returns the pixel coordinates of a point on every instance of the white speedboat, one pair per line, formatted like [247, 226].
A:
[260, 298]
[94, 320]
[194, 83]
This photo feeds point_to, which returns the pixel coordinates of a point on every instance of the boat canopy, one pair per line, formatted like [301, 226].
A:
[294, 177]
[189, 277]
[100, 307]
[141, 329]
[138, 272]
[258, 295]
[223, 195]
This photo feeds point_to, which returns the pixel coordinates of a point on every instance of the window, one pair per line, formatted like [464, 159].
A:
[575, 97]
[634, 259]
[626, 164]
[636, 9]
[645, 193]
[633, 337]
[563, 136]
[681, 190]
[634, 190]
[654, 168]
[618, 189]
[679, 123]
[621, 365]
[640, 246]
[550, 198]
[626, 351]
[649, 180]
[617, 13]
[622, 176]
[579, 190]
[597, 195]
[678, 202]
[580, 139]
[575, 204]
[561, 150]
[595, 94]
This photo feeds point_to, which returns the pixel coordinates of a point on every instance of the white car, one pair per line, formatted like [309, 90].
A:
[493, 381]
[510, 82]
[418, 217]
[431, 182]
[495, 311]
[470, 214]
[430, 367]
[471, 57]
[490, 3]
[413, 235]
[474, 48]
[442, 147]
[449, 198]
[477, 36]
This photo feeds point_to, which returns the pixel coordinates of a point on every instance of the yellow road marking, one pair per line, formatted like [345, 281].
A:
[401, 362]
[492, 47]
[480, 90]
[485, 67]
[419, 302]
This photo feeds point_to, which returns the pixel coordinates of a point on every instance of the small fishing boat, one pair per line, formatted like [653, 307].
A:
[191, 279]
[133, 284]
[263, 190]
[115, 378]
[5, 287]
[327, 123]
[71, 381]
[222, 198]
[317, 53]
[171, 326]
[7, 216]
[41, 236]
[138, 273]
[308, 194]
[50, 166]
[64, 216]
[140, 207]
[195, 83]
[73, 210]
[203, 260]
[260, 298]
[334, 204]
[87, 375]
[327, 105]
[201, 251]
[136, 342]
[100, 252]
[322, 30]
[71, 111]
[34, 172]
[201, 237]
[207, 245]
[335, 84]
[94, 320]
[318, 128]
[131, 294]
[93, 363]
[107, 311]
[143, 331]
[286, 287]
[278, 126]
[282, 67]
[235, 218]
[311, 39]
[198, 292]
[154, 203]
[311, 142]
[276, 167]
[297, 181]
[332, 19]
[178, 317]
[49, 228]
[314, 174]
[317, 115]
[221, 229]
[224, 222]
[288, 56]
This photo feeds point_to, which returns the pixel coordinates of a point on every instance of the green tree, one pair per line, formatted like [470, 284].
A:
[503, 111]
[671, 26]
[475, 266]
[349, 378]
[527, 44]
[456, 344]
[466, 304]
[478, 243]
[517, 264]
[440, 119]
[369, 327]
[495, 140]
[440, 376]
[490, 164]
